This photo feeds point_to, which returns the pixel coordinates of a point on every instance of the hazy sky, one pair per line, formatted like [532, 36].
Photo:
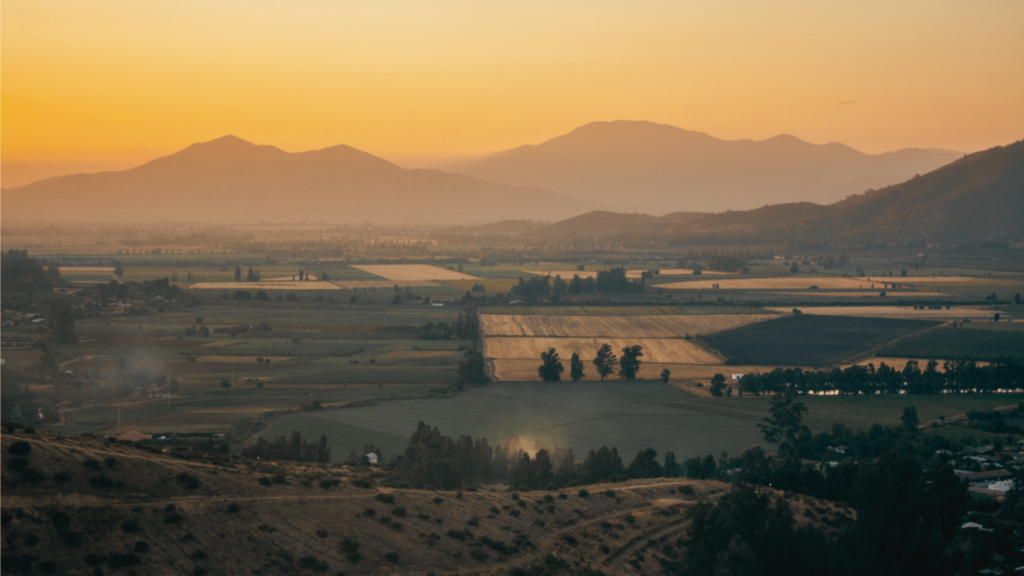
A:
[109, 83]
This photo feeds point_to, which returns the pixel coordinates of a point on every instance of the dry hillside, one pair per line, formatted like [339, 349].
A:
[78, 505]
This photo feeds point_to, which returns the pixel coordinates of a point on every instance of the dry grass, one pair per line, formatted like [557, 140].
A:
[244, 527]
[73, 270]
[787, 283]
[665, 326]
[660, 350]
[413, 272]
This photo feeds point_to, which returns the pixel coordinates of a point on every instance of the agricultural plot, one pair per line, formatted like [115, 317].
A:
[364, 284]
[619, 310]
[669, 326]
[868, 294]
[683, 376]
[676, 272]
[314, 285]
[953, 343]
[659, 350]
[808, 340]
[413, 272]
[787, 283]
[582, 416]
[858, 412]
[905, 312]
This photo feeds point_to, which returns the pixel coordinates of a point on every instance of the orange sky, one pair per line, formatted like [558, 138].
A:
[105, 84]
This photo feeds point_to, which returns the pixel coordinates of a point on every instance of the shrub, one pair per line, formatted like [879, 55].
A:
[328, 483]
[400, 512]
[200, 555]
[474, 521]
[130, 526]
[20, 448]
[348, 545]
[570, 540]
[392, 557]
[563, 496]
[438, 500]
[360, 483]
[385, 498]
[199, 571]
[141, 546]
[101, 481]
[110, 461]
[369, 512]
[62, 477]
[189, 481]
[61, 521]
[584, 493]
[687, 490]
[479, 555]
[460, 535]
[321, 533]
[264, 481]
[70, 538]
[234, 508]
[91, 463]
[18, 463]
[313, 563]
[173, 518]
[609, 493]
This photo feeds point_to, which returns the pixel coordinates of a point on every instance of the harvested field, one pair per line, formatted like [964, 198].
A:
[315, 285]
[363, 284]
[662, 350]
[905, 312]
[413, 272]
[683, 376]
[568, 274]
[565, 274]
[620, 310]
[867, 294]
[75, 270]
[809, 340]
[677, 272]
[668, 326]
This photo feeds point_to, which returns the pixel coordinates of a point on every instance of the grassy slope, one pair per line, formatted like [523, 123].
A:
[276, 526]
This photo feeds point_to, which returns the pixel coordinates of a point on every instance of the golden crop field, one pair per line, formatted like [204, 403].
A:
[903, 312]
[355, 284]
[661, 350]
[74, 270]
[315, 285]
[665, 326]
[413, 272]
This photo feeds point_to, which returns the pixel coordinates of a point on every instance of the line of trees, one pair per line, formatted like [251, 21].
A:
[957, 376]
[432, 460]
[605, 361]
[611, 280]
[294, 448]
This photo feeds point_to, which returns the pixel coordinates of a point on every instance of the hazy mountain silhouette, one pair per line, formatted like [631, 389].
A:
[230, 179]
[977, 199]
[657, 168]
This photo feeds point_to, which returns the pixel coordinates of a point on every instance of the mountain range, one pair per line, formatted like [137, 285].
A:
[974, 200]
[657, 168]
[232, 180]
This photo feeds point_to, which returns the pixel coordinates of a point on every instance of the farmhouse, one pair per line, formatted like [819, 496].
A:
[372, 457]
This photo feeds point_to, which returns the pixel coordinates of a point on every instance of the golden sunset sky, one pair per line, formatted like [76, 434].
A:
[109, 84]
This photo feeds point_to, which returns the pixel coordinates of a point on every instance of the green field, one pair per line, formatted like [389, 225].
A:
[810, 340]
[951, 343]
[858, 412]
[582, 416]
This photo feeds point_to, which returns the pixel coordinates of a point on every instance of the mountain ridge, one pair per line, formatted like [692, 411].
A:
[661, 168]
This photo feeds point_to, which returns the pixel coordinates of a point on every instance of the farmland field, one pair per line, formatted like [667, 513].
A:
[905, 312]
[952, 343]
[804, 283]
[656, 310]
[808, 340]
[413, 272]
[278, 285]
[683, 376]
[669, 326]
[660, 350]
[581, 416]
[859, 412]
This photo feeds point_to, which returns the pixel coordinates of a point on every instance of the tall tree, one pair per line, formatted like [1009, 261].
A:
[785, 423]
[551, 367]
[605, 361]
[576, 367]
[629, 364]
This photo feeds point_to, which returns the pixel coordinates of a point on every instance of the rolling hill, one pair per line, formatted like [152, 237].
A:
[232, 180]
[656, 168]
[976, 199]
